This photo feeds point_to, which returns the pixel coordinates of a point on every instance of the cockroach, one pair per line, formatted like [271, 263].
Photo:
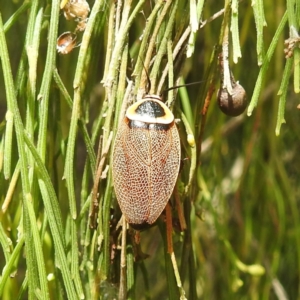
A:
[146, 161]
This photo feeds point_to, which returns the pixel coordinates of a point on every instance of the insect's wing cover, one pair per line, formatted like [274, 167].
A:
[145, 169]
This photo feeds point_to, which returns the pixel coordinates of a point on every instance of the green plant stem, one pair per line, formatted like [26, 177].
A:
[283, 93]
[123, 287]
[130, 272]
[120, 42]
[10, 22]
[193, 33]
[163, 47]
[6, 244]
[186, 106]
[177, 276]
[234, 28]
[121, 88]
[89, 144]
[106, 218]
[142, 79]
[38, 249]
[44, 93]
[193, 148]
[11, 188]
[32, 50]
[171, 73]
[294, 28]
[23, 288]
[110, 40]
[265, 65]
[30, 225]
[144, 45]
[8, 144]
[78, 89]
[171, 280]
[260, 22]
[55, 223]
[75, 261]
[98, 6]
[11, 263]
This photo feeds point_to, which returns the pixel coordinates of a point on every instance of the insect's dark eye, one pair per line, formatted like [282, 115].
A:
[151, 109]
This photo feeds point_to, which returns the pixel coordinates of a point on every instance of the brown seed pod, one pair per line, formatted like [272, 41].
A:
[76, 9]
[66, 42]
[232, 98]
[235, 104]
[290, 45]
[146, 161]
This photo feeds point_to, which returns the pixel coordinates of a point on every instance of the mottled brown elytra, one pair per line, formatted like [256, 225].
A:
[146, 160]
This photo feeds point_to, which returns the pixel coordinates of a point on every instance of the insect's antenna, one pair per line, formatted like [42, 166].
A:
[148, 78]
[182, 85]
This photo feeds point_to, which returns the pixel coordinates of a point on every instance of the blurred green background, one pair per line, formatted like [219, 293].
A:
[243, 221]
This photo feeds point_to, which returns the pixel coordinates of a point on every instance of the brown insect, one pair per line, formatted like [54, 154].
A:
[66, 42]
[146, 161]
